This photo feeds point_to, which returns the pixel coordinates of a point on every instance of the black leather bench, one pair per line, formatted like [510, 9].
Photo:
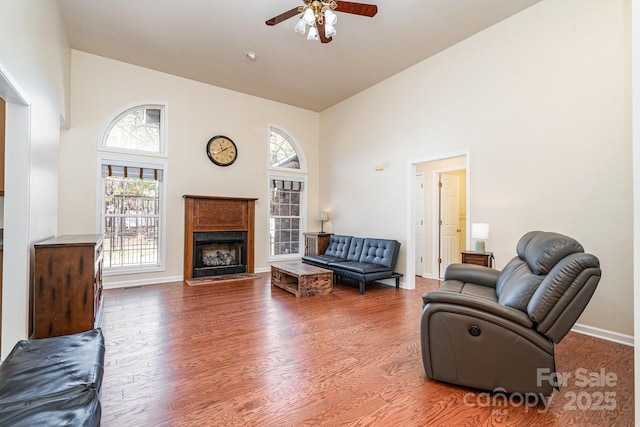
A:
[358, 258]
[53, 381]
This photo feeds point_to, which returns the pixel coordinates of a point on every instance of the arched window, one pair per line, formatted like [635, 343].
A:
[133, 204]
[287, 197]
[136, 130]
[284, 152]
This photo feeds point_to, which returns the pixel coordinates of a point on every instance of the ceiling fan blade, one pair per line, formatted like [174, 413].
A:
[322, 34]
[357, 8]
[283, 16]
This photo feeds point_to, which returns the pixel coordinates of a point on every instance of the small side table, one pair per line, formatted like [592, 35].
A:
[316, 243]
[478, 258]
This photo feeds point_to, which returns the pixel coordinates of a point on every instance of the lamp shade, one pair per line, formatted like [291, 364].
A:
[322, 216]
[480, 231]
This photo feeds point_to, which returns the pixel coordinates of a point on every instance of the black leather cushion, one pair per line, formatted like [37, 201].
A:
[81, 408]
[321, 259]
[338, 246]
[380, 251]
[355, 249]
[359, 267]
[50, 366]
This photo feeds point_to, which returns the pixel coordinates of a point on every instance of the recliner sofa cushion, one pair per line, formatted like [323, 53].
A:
[543, 250]
[538, 252]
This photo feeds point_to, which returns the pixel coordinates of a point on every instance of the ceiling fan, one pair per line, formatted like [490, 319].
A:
[318, 15]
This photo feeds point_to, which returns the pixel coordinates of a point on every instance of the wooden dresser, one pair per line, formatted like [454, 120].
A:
[67, 292]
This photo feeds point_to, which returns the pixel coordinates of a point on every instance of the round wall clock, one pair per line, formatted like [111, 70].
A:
[222, 150]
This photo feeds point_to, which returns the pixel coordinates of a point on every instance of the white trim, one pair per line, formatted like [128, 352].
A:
[142, 282]
[303, 215]
[604, 334]
[155, 163]
[117, 115]
[17, 217]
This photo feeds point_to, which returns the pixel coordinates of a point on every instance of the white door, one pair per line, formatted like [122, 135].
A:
[449, 221]
[419, 215]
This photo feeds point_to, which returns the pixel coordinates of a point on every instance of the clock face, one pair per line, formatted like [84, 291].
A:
[222, 151]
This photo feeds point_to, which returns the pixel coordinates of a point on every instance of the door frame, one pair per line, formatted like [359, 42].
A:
[17, 239]
[410, 280]
[419, 200]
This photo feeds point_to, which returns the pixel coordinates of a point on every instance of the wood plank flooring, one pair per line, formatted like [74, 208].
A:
[245, 353]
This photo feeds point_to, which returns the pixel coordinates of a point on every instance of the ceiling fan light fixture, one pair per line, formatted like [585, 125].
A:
[313, 34]
[329, 30]
[300, 27]
[330, 17]
[308, 17]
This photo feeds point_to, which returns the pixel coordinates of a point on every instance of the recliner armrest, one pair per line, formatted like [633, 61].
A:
[508, 313]
[471, 273]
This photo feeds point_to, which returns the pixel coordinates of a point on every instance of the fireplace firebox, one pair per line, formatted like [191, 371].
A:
[219, 252]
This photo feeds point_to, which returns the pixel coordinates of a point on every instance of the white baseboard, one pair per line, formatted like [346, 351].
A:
[603, 334]
[142, 282]
[263, 270]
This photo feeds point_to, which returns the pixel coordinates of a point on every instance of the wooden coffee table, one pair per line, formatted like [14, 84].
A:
[302, 280]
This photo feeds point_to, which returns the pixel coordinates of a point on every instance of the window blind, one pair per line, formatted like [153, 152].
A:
[132, 172]
[282, 184]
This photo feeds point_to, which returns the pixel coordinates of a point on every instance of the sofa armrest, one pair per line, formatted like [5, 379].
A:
[471, 273]
[482, 304]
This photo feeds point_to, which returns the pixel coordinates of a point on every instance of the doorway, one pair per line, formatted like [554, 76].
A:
[442, 214]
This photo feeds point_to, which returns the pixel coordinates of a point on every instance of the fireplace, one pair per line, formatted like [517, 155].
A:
[218, 236]
[219, 252]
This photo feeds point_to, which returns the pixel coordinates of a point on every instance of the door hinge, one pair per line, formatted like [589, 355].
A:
[439, 260]
[440, 184]
[439, 222]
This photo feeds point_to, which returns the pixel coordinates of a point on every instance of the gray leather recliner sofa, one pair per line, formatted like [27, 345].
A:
[496, 330]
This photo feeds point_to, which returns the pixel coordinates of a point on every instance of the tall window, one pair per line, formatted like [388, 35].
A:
[285, 217]
[132, 208]
[286, 196]
[132, 198]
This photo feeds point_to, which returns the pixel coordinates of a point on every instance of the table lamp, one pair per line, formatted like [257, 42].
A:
[322, 217]
[480, 232]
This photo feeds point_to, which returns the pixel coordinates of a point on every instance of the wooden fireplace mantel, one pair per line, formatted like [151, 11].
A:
[214, 213]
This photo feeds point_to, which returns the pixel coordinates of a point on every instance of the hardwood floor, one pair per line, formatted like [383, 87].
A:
[245, 353]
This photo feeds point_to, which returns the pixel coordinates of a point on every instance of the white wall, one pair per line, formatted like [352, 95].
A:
[542, 103]
[195, 113]
[34, 79]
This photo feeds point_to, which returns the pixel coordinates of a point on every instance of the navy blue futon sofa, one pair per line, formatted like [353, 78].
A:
[359, 258]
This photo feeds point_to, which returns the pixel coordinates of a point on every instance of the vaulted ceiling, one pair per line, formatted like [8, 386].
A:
[207, 41]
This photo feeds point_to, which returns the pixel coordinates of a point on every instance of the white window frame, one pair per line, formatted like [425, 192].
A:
[296, 146]
[162, 229]
[303, 216]
[116, 116]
